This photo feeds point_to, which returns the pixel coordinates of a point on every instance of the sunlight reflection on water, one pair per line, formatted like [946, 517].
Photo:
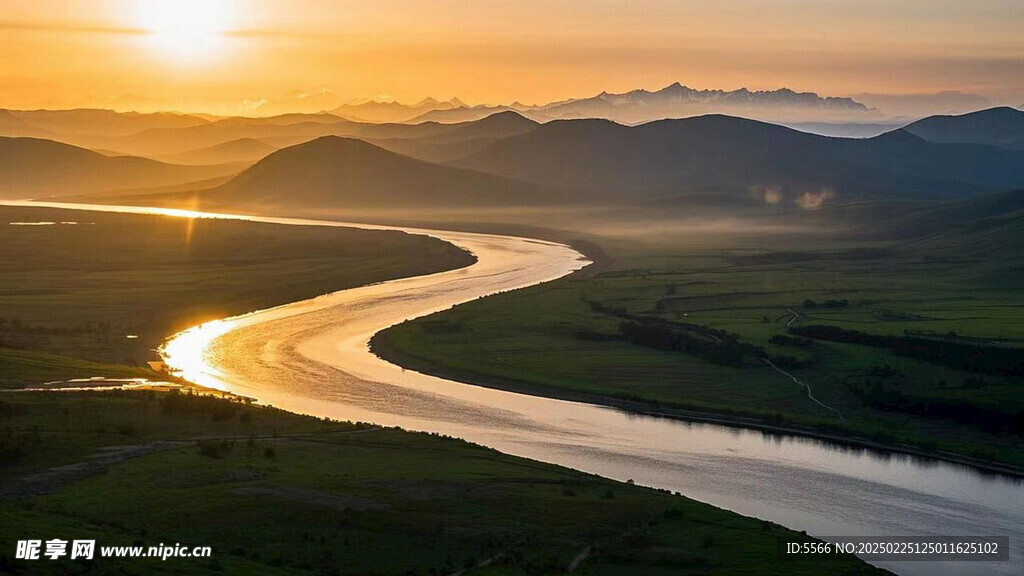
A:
[311, 357]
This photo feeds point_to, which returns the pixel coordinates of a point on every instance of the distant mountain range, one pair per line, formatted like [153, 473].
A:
[726, 155]
[509, 158]
[195, 138]
[509, 161]
[677, 101]
[33, 168]
[456, 141]
[378, 112]
[92, 121]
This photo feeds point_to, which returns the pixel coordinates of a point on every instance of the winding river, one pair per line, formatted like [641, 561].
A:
[312, 357]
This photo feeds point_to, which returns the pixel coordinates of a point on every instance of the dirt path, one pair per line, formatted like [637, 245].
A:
[808, 388]
[796, 316]
[583, 555]
[96, 463]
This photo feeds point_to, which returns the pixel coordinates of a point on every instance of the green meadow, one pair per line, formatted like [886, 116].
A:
[744, 292]
[111, 287]
[276, 493]
[272, 492]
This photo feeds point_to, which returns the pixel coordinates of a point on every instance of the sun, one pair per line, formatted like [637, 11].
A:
[184, 28]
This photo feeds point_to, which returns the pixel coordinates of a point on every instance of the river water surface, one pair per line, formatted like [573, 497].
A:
[312, 357]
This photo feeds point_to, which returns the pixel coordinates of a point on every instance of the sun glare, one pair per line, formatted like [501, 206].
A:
[184, 28]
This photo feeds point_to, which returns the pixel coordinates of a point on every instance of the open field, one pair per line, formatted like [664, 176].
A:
[313, 496]
[731, 300]
[324, 497]
[111, 287]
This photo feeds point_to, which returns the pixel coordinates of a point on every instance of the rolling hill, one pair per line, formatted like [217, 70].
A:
[984, 234]
[459, 140]
[88, 121]
[247, 150]
[726, 155]
[277, 131]
[343, 173]
[1003, 127]
[374, 111]
[33, 168]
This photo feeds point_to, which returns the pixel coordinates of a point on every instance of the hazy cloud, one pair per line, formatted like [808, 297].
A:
[814, 200]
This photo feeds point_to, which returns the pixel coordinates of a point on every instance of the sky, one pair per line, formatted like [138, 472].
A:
[231, 56]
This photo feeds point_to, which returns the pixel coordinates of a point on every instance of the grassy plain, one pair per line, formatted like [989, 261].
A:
[565, 338]
[83, 290]
[272, 492]
[277, 493]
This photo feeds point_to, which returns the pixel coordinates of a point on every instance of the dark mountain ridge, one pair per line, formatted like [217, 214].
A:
[723, 154]
[33, 168]
[1003, 126]
[338, 173]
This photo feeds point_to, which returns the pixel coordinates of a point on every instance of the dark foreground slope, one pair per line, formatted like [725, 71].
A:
[32, 168]
[277, 494]
[273, 493]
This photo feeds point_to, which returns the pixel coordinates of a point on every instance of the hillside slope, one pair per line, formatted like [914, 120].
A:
[727, 155]
[1002, 127]
[33, 168]
[334, 172]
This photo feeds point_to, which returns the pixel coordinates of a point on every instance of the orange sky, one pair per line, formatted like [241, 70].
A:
[222, 56]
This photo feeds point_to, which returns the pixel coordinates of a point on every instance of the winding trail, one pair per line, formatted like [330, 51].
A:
[796, 316]
[805, 386]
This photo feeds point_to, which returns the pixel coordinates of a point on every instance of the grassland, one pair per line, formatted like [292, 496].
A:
[276, 493]
[110, 288]
[566, 338]
[273, 492]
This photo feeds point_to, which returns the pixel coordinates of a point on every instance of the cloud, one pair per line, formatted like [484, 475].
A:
[293, 101]
[770, 195]
[69, 27]
[814, 200]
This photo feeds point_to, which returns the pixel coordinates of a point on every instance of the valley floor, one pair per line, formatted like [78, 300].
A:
[273, 492]
[682, 324]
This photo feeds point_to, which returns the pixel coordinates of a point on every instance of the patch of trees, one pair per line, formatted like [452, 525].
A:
[219, 409]
[811, 304]
[725, 349]
[788, 362]
[619, 312]
[956, 355]
[883, 393]
[21, 335]
[705, 342]
[594, 336]
[791, 341]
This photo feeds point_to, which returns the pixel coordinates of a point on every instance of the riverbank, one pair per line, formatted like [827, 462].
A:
[383, 348]
[95, 289]
[316, 496]
[458, 329]
[313, 495]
